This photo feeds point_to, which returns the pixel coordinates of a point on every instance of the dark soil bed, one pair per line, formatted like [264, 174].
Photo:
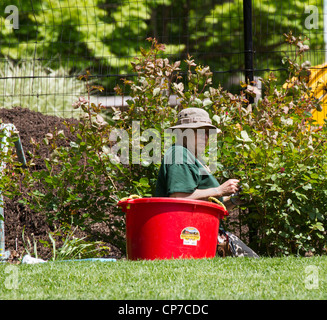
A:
[34, 125]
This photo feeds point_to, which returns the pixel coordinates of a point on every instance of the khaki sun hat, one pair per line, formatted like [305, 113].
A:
[193, 118]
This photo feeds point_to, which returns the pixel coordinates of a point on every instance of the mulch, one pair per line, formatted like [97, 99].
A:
[19, 219]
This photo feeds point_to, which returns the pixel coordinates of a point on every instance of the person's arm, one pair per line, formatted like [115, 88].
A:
[225, 189]
[204, 195]
[198, 194]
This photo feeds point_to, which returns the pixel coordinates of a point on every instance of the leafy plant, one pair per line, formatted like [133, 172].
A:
[30, 249]
[83, 181]
[76, 186]
[279, 154]
[10, 168]
[73, 247]
[273, 147]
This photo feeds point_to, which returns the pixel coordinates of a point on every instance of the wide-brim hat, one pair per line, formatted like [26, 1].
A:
[193, 118]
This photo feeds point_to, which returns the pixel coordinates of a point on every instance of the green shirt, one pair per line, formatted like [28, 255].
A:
[180, 171]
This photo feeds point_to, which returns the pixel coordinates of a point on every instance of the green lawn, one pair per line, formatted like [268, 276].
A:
[205, 279]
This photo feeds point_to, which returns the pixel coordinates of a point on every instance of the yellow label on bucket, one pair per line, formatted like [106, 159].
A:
[190, 236]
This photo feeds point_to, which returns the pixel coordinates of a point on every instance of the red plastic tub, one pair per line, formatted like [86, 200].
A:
[169, 228]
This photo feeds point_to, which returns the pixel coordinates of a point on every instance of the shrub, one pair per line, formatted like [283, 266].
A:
[272, 147]
[9, 166]
[77, 186]
[279, 154]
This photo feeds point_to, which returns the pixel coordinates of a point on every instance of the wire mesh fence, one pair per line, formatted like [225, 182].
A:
[46, 44]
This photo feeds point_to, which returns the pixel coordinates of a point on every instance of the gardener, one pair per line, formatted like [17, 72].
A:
[183, 175]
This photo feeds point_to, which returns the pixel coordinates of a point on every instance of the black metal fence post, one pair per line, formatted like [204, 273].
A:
[249, 77]
[248, 41]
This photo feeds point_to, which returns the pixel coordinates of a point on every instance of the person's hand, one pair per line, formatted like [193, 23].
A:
[229, 187]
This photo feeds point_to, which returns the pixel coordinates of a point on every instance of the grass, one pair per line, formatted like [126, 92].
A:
[204, 279]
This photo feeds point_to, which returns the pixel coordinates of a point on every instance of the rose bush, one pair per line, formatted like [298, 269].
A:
[279, 154]
[273, 147]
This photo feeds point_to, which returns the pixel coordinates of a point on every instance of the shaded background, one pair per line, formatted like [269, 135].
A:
[57, 40]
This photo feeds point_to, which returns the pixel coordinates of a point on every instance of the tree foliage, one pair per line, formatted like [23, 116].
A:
[103, 36]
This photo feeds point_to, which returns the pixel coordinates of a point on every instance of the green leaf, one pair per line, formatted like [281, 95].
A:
[245, 137]
[144, 181]
[312, 214]
[318, 226]
[73, 144]
[307, 186]
[156, 91]
[314, 176]
[207, 103]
